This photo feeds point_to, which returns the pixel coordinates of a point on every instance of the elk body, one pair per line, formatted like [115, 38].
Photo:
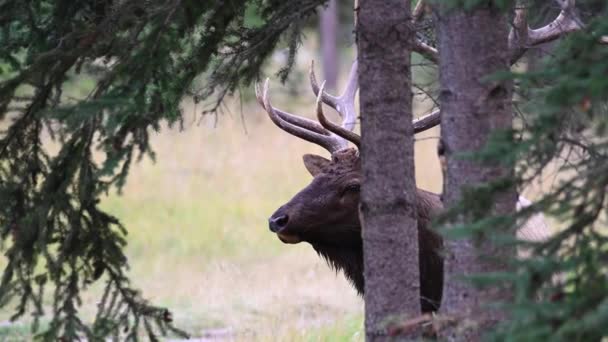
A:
[325, 213]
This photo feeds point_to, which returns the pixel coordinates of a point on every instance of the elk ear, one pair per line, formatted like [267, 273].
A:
[315, 164]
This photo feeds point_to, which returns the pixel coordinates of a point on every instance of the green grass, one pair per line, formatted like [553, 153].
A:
[349, 329]
[15, 332]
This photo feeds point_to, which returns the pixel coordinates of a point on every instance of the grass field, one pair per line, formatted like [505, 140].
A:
[198, 236]
[199, 241]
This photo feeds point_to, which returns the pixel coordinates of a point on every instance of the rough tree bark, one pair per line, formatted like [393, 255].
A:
[390, 237]
[473, 45]
[328, 28]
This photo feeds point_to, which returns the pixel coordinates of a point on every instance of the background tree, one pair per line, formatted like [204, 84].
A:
[476, 208]
[328, 30]
[390, 236]
[484, 208]
[473, 46]
[561, 292]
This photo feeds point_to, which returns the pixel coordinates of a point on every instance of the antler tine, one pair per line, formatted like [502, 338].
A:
[327, 98]
[522, 37]
[332, 127]
[426, 122]
[566, 21]
[330, 142]
[345, 103]
[418, 12]
[347, 99]
[291, 118]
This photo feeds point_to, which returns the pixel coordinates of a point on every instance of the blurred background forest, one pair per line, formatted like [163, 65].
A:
[198, 239]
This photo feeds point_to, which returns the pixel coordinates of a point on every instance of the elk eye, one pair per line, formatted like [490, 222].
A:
[351, 188]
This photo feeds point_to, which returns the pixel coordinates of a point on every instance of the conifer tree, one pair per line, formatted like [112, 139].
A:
[143, 57]
[559, 292]
[388, 194]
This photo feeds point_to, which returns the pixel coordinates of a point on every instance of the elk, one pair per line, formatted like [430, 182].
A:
[325, 213]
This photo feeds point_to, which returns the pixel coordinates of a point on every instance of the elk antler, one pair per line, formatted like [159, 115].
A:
[522, 37]
[418, 12]
[566, 21]
[332, 127]
[327, 134]
[428, 121]
[343, 104]
[426, 50]
[299, 126]
[290, 118]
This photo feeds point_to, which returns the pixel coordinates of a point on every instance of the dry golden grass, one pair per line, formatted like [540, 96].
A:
[198, 236]
[199, 240]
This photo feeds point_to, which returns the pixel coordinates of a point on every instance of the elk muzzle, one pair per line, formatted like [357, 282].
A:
[278, 224]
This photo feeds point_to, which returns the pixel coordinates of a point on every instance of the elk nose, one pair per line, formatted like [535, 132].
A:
[276, 223]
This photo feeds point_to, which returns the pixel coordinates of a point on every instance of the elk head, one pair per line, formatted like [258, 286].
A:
[326, 211]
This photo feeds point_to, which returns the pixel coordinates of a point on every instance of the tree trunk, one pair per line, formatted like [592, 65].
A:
[473, 45]
[390, 236]
[328, 29]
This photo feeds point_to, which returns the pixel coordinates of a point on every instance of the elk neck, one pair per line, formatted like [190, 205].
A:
[344, 252]
[346, 257]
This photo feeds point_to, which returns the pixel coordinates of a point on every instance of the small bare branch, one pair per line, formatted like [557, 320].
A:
[412, 326]
[426, 50]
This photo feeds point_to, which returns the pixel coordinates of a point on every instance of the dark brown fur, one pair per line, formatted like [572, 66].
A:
[325, 214]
